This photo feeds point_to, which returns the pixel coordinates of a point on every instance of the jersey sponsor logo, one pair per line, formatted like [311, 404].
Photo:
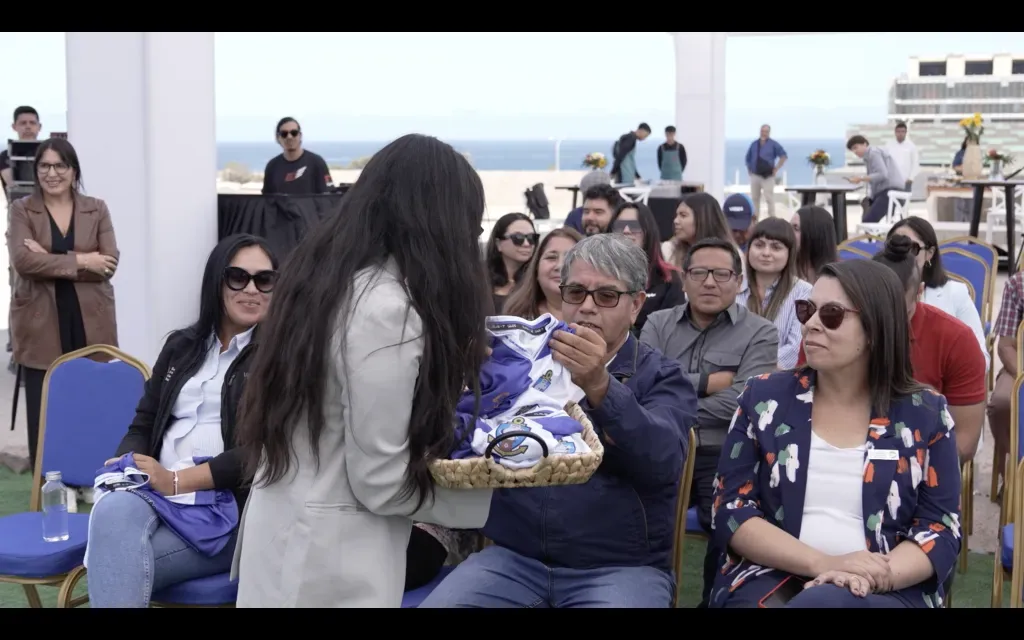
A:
[291, 177]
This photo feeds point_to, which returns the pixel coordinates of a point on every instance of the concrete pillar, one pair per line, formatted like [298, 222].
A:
[141, 115]
[700, 106]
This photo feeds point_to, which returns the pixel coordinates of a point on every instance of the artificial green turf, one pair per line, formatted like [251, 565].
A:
[972, 590]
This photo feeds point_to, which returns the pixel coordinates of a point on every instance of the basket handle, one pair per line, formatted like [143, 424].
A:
[515, 434]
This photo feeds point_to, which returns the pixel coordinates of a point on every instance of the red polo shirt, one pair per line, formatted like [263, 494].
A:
[944, 354]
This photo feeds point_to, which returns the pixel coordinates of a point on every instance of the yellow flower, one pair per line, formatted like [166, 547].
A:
[976, 120]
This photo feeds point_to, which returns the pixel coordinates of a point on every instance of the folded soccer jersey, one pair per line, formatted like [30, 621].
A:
[205, 520]
[523, 391]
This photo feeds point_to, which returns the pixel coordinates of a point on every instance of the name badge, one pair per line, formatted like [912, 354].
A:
[883, 454]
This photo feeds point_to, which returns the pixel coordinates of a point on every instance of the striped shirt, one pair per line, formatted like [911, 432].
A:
[785, 321]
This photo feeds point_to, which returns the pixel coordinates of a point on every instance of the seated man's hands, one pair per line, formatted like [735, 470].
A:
[584, 354]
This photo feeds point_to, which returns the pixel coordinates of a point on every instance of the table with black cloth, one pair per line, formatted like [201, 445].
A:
[282, 220]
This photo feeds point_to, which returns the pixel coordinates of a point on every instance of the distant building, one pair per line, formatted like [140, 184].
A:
[936, 93]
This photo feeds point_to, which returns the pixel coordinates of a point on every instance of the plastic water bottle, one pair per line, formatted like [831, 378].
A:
[55, 508]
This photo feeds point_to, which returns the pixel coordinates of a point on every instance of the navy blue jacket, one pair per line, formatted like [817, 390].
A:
[625, 514]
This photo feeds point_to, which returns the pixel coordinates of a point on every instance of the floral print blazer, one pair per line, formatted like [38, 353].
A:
[912, 493]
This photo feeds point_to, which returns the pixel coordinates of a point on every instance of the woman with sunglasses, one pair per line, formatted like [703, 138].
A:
[511, 245]
[664, 284]
[63, 251]
[940, 291]
[189, 408]
[839, 483]
[539, 290]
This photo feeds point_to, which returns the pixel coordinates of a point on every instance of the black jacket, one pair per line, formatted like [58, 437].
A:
[660, 295]
[153, 413]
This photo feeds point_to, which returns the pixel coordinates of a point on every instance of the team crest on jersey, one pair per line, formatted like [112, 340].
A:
[544, 381]
[511, 446]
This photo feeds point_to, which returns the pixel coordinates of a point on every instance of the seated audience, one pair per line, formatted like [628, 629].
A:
[574, 220]
[772, 284]
[599, 202]
[606, 543]
[841, 477]
[188, 408]
[538, 290]
[718, 344]
[698, 216]
[664, 286]
[815, 241]
[509, 249]
[739, 212]
[1011, 314]
[943, 350]
[940, 291]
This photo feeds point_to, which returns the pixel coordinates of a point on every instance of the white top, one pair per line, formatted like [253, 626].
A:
[833, 518]
[196, 429]
[906, 157]
[954, 298]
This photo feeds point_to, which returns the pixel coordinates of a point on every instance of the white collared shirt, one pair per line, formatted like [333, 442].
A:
[906, 157]
[195, 428]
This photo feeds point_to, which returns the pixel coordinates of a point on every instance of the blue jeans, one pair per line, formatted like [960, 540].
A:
[132, 554]
[499, 578]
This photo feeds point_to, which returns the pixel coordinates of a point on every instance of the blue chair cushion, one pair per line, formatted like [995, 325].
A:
[415, 598]
[1006, 548]
[693, 523]
[209, 591]
[24, 553]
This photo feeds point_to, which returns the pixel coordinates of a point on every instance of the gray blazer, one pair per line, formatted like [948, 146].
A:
[337, 536]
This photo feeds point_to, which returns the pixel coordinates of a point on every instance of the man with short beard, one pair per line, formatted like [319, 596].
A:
[599, 203]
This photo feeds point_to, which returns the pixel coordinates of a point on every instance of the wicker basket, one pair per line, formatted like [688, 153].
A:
[484, 473]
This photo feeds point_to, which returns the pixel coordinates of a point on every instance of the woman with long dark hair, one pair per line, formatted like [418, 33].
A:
[698, 216]
[940, 291]
[815, 240]
[839, 483]
[188, 408]
[538, 290]
[509, 249]
[63, 251]
[664, 285]
[376, 328]
[772, 285]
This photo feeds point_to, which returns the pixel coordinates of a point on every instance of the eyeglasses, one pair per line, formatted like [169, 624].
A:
[620, 226]
[519, 239]
[607, 298]
[43, 168]
[699, 274]
[831, 314]
[237, 279]
[295, 133]
[915, 249]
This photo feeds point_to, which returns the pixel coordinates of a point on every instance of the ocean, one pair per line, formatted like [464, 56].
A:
[539, 155]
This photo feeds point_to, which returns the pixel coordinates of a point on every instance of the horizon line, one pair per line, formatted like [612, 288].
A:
[545, 139]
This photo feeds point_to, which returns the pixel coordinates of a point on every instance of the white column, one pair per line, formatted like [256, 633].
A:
[700, 106]
[141, 116]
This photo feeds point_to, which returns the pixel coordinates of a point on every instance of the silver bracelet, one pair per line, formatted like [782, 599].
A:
[175, 484]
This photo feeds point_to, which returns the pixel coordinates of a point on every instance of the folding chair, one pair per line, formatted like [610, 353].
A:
[86, 407]
[869, 244]
[1006, 563]
[687, 525]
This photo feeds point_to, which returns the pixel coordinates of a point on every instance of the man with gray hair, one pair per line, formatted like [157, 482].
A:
[606, 543]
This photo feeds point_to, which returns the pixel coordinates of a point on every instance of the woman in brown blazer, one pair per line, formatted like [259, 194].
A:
[61, 245]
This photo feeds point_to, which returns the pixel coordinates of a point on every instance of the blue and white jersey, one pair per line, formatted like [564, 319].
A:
[523, 390]
[205, 520]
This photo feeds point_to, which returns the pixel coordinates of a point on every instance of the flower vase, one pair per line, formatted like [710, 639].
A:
[819, 175]
[995, 170]
[972, 167]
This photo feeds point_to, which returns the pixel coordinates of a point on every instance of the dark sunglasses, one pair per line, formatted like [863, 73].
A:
[831, 314]
[915, 249]
[238, 279]
[607, 298]
[621, 225]
[519, 239]
[295, 133]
